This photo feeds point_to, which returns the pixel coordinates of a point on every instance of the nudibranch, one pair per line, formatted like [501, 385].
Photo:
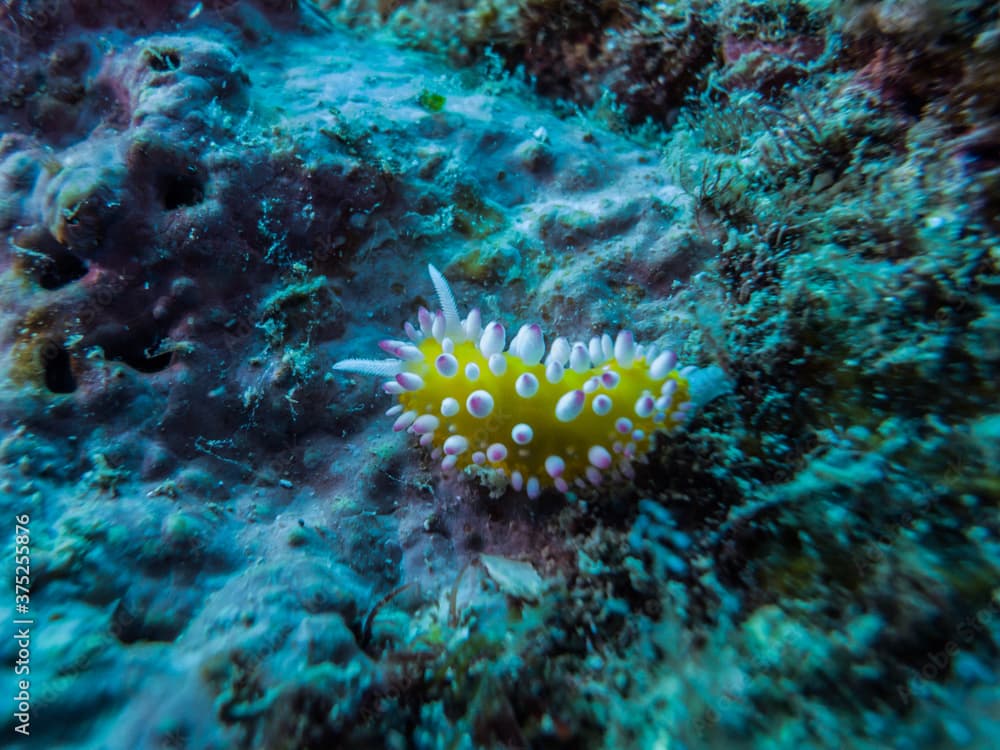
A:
[575, 414]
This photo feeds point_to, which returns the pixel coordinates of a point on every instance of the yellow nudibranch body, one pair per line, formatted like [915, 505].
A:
[570, 415]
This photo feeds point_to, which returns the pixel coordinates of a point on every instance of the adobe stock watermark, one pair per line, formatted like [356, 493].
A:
[735, 690]
[872, 552]
[23, 622]
[938, 662]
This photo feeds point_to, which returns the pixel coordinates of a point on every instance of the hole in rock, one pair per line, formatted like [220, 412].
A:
[59, 269]
[56, 366]
[132, 346]
[131, 622]
[162, 60]
[180, 190]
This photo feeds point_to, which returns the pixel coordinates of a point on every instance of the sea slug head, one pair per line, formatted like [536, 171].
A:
[573, 413]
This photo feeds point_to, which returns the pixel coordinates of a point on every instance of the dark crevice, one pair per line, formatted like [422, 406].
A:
[131, 623]
[57, 368]
[132, 346]
[162, 60]
[60, 269]
[150, 364]
[177, 191]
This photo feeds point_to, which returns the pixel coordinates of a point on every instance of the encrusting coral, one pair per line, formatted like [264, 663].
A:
[579, 413]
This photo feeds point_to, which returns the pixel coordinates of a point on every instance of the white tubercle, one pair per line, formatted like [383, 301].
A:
[554, 371]
[410, 353]
[448, 462]
[439, 327]
[595, 351]
[426, 321]
[517, 481]
[555, 466]
[533, 487]
[404, 420]
[610, 379]
[450, 407]
[497, 452]
[479, 404]
[559, 352]
[625, 348]
[570, 405]
[394, 411]
[514, 347]
[579, 358]
[478, 458]
[644, 405]
[607, 346]
[526, 385]
[401, 349]
[532, 344]
[410, 381]
[412, 333]
[472, 371]
[447, 365]
[447, 345]
[456, 444]
[391, 346]
[598, 456]
[662, 365]
[473, 325]
[623, 425]
[601, 404]
[493, 339]
[522, 433]
[498, 364]
[425, 423]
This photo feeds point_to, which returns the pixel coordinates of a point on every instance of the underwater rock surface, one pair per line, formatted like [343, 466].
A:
[220, 541]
